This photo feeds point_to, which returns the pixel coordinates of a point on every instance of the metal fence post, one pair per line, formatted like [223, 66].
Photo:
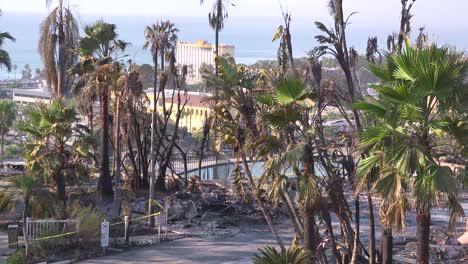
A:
[12, 236]
[126, 232]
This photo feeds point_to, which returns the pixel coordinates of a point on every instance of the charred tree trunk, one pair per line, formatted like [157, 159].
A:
[105, 182]
[152, 154]
[137, 171]
[2, 146]
[117, 155]
[310, 244]
[372, 229]
[61, 55]
[294, 218]
[206, 133]
[387, 246]
[310, 239]
[328, 222]
[25, 233]
[60, 185]
[354, 258]
[253, 187]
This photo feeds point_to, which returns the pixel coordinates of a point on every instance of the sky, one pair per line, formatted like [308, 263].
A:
[250, 25]
[435, 13]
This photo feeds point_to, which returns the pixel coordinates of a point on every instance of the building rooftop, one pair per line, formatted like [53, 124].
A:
[40, 92]
[203, 44]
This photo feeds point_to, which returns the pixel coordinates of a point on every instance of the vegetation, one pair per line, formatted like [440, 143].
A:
[57, 149]
[7, 117]
[269, 255]
[420, 91]
[24, 184]
[5, 60]
[392, 143]
[98, 49]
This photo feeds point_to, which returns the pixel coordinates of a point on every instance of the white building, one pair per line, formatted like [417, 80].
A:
[194, 55]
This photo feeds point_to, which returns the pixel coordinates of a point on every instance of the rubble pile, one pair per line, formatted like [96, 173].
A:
[210, 209]
[444, 248]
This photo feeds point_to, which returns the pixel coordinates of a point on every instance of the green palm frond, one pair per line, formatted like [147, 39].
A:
[290, 90]
[278, 33]
[372, 106]
[269, 255]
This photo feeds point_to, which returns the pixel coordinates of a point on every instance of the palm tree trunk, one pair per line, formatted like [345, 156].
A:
[354, 258]
[294, 218]
[387, 246]
[310, 243]
[216, 54]
[153, 143]
[310, 239]
[2, 145]
[117, 155]
[260, 203]
[91, 129]
[91, 117]
[60, 182]
[328, 222]
[105, 182]
[372, 229]
[423, 220]
[206, 133]
[25, 233]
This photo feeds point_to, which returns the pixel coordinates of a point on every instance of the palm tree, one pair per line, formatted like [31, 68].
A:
[161, 38]
[416, 98]
[24, 184]
[99, 47]
[236, 96]
[51, 153]
[216, 18]
[293, 101]
[58, 37]
[7, 117]
[4, 56]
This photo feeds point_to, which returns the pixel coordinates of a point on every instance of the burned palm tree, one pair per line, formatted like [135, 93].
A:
[58, 38]
[285, 51]
[161, 38]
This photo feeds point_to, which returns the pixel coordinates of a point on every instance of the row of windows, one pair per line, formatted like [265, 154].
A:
[195, 112]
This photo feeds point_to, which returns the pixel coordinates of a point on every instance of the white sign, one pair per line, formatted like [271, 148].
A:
[105, 234]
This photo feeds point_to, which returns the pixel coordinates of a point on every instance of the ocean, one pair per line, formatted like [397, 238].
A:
[251, 36]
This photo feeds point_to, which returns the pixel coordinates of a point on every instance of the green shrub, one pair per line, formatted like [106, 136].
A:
[89, 222]
[5, 200]
[17, 257]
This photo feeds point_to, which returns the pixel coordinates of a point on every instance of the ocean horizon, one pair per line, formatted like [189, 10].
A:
[251, 36]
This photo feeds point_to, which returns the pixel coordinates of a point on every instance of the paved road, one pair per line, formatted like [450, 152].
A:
[235, 250]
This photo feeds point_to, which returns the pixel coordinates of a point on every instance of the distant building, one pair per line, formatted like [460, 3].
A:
[195, 112]
[194, 55]
[31, 96]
